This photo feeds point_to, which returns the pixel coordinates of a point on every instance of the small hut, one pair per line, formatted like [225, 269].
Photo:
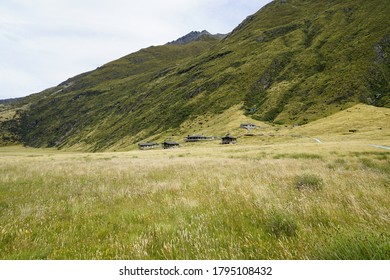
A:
[229, 140]
[170, 145]
[148, 146]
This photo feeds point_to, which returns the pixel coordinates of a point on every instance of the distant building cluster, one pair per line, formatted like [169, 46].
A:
[169, 144]
[166, 145]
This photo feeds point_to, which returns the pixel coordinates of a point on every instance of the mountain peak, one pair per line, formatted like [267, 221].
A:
[194, 36]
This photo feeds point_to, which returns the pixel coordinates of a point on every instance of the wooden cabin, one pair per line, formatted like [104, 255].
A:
[197, 138]
[170, 145]
[229, 140]
[148, 146]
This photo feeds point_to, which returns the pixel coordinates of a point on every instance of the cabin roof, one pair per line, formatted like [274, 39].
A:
[170, 143]
[148, 144]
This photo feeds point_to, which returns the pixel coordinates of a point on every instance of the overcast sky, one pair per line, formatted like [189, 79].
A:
[44, 42]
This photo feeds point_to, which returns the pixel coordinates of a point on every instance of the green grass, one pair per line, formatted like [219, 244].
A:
[280, 224]
[298, 156]
[381, 166]
[357, 245]
[195, 203]
[308, 181]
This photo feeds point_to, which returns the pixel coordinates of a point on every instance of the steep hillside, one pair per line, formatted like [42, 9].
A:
[94, 110]
[294, 61]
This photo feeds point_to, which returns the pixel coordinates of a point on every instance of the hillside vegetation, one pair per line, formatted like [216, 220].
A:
[293, 62]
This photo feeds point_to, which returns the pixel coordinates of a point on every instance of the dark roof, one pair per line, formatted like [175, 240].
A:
[198, 137]
[170, 143]
[148, 144]
[248, 124]
[229, 137]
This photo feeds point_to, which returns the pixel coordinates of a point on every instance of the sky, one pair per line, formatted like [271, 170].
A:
[45, 42]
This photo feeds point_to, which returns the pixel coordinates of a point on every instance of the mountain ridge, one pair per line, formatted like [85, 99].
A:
[194, 36]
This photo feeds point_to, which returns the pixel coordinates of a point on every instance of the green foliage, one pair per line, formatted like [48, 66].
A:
[308, 182]
[281, 224]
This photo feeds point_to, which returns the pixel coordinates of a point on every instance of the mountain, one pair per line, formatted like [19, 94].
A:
[294, 61]
[194, 36]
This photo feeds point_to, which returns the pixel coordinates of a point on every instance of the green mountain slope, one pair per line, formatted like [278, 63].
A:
[294, 61]
[98, 108]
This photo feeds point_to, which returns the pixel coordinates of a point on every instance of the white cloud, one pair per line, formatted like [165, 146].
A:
[43, 42]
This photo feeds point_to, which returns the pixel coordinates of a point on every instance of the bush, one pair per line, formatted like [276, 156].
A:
[308, 181]
[281, 224]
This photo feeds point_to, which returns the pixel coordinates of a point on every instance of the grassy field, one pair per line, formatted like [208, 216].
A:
[283, 201]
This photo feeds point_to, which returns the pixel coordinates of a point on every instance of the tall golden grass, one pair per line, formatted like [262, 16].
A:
[249, 201]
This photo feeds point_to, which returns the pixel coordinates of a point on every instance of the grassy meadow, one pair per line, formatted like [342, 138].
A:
[328, 202]
[276, 195]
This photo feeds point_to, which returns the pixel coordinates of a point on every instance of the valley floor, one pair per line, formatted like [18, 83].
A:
[290, 200]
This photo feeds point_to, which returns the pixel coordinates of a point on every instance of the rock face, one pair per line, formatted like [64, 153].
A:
[194, 36]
